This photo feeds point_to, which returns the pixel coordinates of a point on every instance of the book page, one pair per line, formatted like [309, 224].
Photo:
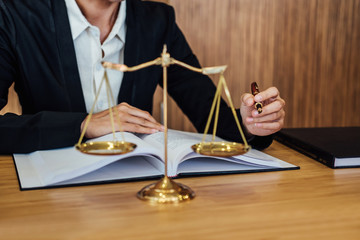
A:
[213, 165]
[137, 167]
[179, 151]
[179, 144]
[251, 161]
[52, 166]
[251, 158]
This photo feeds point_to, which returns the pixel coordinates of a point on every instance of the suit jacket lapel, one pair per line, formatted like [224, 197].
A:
[131, 54]
[67, 58]
[68, 62]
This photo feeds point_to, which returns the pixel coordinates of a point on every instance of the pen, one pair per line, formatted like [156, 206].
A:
[254, 91]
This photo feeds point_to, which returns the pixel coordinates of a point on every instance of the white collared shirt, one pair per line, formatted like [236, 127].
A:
[88, 49]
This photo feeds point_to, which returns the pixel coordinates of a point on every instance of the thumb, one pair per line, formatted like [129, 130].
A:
[247, 100]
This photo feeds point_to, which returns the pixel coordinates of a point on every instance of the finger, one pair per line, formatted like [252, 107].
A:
[136, 128]
[247, 99]
[137, 112]
[271, 126]
[269, 93]
[276, 116]
[273, 107]
[142, 122]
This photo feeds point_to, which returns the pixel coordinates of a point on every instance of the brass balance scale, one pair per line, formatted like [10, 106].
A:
[166, 190]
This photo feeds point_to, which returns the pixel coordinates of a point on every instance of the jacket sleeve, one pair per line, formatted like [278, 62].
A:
[194, 92]
[29, 132]
[43, 130]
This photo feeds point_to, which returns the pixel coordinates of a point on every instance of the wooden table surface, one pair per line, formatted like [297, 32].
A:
[314, 202]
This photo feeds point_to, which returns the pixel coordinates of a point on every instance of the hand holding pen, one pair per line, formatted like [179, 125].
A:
[262, 112]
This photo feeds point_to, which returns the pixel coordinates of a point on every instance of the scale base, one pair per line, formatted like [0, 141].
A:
[166, 191]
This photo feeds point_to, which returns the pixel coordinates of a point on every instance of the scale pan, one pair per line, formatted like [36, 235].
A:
[106, 148]
[220, 149]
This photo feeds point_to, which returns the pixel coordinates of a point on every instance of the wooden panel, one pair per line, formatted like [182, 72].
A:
[318, 63]
[308, 49]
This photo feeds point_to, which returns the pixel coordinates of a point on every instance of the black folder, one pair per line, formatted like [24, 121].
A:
[336, 147]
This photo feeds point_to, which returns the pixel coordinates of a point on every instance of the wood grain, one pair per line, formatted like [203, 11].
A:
[308, 49]
[319, 52]
[314, 202]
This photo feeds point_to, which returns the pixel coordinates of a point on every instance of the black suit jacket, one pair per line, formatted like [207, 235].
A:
[37, 53]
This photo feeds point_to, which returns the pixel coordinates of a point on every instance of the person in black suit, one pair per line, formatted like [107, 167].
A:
[39, 51]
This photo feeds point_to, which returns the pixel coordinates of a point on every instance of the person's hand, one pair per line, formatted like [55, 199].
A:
[131, 118]
[270, 120]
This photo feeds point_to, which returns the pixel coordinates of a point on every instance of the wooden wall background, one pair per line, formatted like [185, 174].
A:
[309, 49]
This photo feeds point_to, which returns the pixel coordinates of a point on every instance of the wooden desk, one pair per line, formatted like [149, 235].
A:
[314, 202]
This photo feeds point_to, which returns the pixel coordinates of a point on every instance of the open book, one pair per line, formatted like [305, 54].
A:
[68, 166]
